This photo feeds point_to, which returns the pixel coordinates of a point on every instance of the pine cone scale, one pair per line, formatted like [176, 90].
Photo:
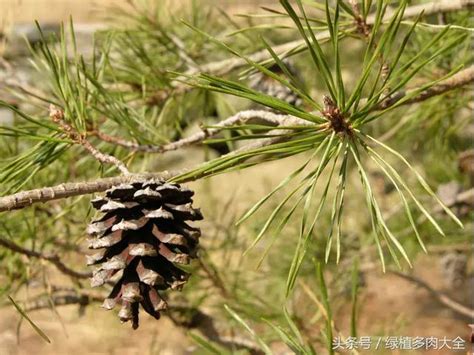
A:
[143, 236]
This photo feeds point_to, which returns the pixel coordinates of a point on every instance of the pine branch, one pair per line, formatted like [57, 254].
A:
[242, 117]
[52, 258]
[27, 198]
[458, 80]
[57, 116]
[441, 298]
[228, 65]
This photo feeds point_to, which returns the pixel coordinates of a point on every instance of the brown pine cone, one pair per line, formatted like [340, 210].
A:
[143, 236]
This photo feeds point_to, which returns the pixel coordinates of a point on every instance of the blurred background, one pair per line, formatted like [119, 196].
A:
[87, 11]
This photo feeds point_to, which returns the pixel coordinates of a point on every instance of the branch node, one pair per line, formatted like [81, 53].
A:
[57, 116]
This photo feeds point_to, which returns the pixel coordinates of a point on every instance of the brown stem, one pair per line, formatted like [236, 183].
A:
[57, 116]
[27, 198]
[205, 323]
[241, 117]
[464, 77]
[440, 297]
[458, 80]
[52, 258]
[81, 298]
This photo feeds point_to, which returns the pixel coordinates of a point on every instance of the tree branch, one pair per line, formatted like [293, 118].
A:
[464, 77]
[81, 298]
[27, 198]
[52, 258]
[241, 117]
[441, 298]
[458, 80]
[57, 116]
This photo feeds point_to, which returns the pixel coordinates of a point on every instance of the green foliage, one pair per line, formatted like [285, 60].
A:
[24, 315]
[356, 113]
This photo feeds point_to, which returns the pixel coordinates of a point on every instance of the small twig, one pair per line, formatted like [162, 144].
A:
[81, 298]
[181, 47]
[215, 279]
[361, 23]
[57, 116]
[206, 325]
[114, 140]
[458, 80]
[241, 117]
[52, 258]
[441, 298]
[27, 198]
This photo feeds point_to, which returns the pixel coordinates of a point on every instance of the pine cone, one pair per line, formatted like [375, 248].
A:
[142, 234]
[272, 87]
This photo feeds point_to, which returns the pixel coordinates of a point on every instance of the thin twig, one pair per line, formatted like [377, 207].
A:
[82, 298]
[458, 80]
[440, 297]
[226, 66]
[27, 198]
[205, 323]
[181, 47]
[57, 116]
[241, 117]
[52, 258]
[464, 77]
